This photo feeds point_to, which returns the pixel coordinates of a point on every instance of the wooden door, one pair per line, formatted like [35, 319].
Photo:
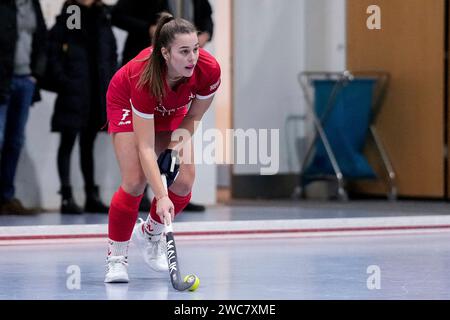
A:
[410, 46]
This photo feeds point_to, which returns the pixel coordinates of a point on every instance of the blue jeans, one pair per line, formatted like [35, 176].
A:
[13, 118]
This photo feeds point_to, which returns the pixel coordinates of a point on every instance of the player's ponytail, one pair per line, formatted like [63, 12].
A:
[155, 70]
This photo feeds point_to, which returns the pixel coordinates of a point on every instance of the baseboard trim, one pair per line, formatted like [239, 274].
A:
[279, 186]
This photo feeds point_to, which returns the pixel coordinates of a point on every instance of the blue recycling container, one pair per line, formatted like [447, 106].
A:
[346, 126]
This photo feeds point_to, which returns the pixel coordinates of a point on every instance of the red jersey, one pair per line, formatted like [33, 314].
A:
[124, 96]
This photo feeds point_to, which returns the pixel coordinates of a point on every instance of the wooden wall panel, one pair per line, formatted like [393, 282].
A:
[448, 98]
[410, 45]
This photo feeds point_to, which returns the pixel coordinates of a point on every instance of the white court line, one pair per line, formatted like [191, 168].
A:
[239, 229]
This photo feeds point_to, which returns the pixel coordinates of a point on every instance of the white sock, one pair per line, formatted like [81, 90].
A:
[153, 229]
[118, 248]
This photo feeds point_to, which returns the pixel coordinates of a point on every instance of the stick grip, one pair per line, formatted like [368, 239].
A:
[167, 219]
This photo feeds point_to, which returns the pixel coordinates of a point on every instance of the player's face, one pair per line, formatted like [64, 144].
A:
[183, 55]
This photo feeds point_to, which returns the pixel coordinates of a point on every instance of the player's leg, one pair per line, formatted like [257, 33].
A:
[124, 206]
[180, 190]
[148, 234]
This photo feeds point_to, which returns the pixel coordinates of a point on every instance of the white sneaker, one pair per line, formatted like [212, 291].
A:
[116, 269]
[154, 252]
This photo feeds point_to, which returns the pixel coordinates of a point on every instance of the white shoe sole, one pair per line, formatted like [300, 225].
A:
[117, 279]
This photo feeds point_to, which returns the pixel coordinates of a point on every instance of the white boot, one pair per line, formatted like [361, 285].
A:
[152, 244]
[116, 269]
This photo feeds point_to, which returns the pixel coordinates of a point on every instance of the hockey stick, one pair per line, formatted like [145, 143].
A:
[190, 282]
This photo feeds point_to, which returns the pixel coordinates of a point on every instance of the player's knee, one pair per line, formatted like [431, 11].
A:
[184, 182]
[134, 186]
[181, 187]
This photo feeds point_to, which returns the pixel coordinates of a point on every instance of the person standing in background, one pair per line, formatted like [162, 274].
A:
[22, 63]
[81, 64]
[138, 18]
[199, 12]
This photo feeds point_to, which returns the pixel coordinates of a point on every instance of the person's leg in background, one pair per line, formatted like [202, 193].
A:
[145, 204]
[194, 207]
[66, 144]
[93, 202]
[3, 114]
[17, 111]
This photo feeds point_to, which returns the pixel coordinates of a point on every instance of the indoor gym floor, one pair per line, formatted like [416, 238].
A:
[409, 264]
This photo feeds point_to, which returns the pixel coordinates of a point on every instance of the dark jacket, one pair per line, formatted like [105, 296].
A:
[203, 16]
[136, 17]
[81, 63]
[8, 39]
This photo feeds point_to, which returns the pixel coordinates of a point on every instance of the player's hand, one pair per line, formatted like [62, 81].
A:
[169, 165]
[165, 209]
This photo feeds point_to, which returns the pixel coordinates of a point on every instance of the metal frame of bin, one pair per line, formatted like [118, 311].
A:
[342, 78]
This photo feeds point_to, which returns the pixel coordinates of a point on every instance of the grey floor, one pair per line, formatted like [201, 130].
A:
[261, 210]
[404, 267]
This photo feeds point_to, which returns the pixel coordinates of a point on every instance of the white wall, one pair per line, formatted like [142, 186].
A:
[37, 180]
[273, 42]
[268, 53]
[325, 35]
[204, 190]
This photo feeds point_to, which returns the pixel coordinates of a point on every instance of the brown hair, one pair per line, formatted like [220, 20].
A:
[155, 70]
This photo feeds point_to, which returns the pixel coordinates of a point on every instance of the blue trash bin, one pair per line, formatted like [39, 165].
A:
[346, 126]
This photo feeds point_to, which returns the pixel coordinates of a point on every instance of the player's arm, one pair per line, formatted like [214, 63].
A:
[195, 114]
[144, 129]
